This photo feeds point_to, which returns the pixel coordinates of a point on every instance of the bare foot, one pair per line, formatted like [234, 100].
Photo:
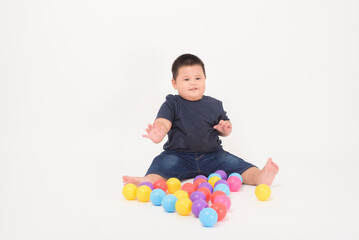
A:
[268, 173]
[135, 180]
[138, 180]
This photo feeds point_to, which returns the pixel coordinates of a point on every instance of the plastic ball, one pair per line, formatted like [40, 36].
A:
[221, 181]
[263, 192]
[143, 193]
[235, 183]
[214, 174]
[213, 180]
[169, 203]
[173, 184]
[129, 191]
[208, 217]
[198, 182]
[197, 195]
[200, 177]
[222, 173]
[183, 206]
[216, 194]
[189, 185]
[222, 187]
[236, 174]
[198, 206]
[225, 200]
[206, 185]
[160, 184]
[181, 194]
[156, 196]
[220, 209]
[189, 190]
[147, 184]
[206, 192]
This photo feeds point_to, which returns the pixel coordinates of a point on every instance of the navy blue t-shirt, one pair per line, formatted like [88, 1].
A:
[192, 123]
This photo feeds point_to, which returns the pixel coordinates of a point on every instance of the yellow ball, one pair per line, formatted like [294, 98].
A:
[213, 180]
[143, 193]
[183, 206]
[181, 194]
[263, 192]
[173, 184]
[129, 191]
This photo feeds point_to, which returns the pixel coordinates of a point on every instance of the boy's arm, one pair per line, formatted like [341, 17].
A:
[158, 130]
[224, 128]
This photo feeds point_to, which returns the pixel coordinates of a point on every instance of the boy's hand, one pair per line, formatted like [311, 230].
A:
[155, 133]
[224, 127]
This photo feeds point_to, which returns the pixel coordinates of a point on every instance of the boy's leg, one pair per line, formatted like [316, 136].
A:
[138, 180]
[254, 176]
[166, 165]
[250, 173]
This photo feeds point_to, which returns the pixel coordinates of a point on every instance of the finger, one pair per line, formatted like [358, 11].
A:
[148, 130]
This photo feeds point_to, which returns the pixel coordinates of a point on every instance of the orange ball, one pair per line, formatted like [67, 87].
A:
[216, 194]
[191, 185]
[160, 184]
[199, 181]
[220, 209]
[206, 192]
[189, 190]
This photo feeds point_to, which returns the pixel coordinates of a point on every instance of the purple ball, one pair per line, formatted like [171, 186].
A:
[207, 185]
[221, 181]
[222, 173]
[147, 184]
[200, 176]
[197, 195]
[198, 206]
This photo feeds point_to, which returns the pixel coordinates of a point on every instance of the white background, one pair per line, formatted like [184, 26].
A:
[80, 80]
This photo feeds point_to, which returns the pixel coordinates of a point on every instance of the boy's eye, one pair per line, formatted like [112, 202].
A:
[186, 79]
[198, 78]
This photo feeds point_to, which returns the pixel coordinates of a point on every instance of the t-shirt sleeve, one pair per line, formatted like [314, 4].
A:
[223, 113]
[167, 109]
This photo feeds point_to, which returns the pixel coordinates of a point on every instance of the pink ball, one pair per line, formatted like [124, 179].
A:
[235, 183]
[224, 199]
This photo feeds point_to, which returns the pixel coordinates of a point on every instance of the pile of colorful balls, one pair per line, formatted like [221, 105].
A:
[194, 197]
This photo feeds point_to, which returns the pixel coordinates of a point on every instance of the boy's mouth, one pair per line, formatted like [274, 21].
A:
[193, 89]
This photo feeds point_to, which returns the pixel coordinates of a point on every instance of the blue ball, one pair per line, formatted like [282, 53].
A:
[222, 187]
[208, 217]
[214, 174]
[169, 203]
[236, 174]
[156, 196]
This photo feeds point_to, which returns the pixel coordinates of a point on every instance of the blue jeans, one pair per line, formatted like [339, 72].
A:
[184, 165]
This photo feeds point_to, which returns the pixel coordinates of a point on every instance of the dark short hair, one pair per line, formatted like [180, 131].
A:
[186, 60]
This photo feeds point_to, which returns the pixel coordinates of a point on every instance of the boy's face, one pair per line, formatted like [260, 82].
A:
[190, 82]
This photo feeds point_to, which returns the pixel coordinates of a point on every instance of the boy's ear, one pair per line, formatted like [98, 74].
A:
[174, 84]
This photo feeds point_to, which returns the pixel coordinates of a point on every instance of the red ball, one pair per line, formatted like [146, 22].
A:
[216, 194]
[220, 209]
[188, 189]
[199, 181]
[206, 192]
[160, 184]
[191, 185]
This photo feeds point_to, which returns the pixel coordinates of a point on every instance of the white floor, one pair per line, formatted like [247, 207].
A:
[60, 195]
